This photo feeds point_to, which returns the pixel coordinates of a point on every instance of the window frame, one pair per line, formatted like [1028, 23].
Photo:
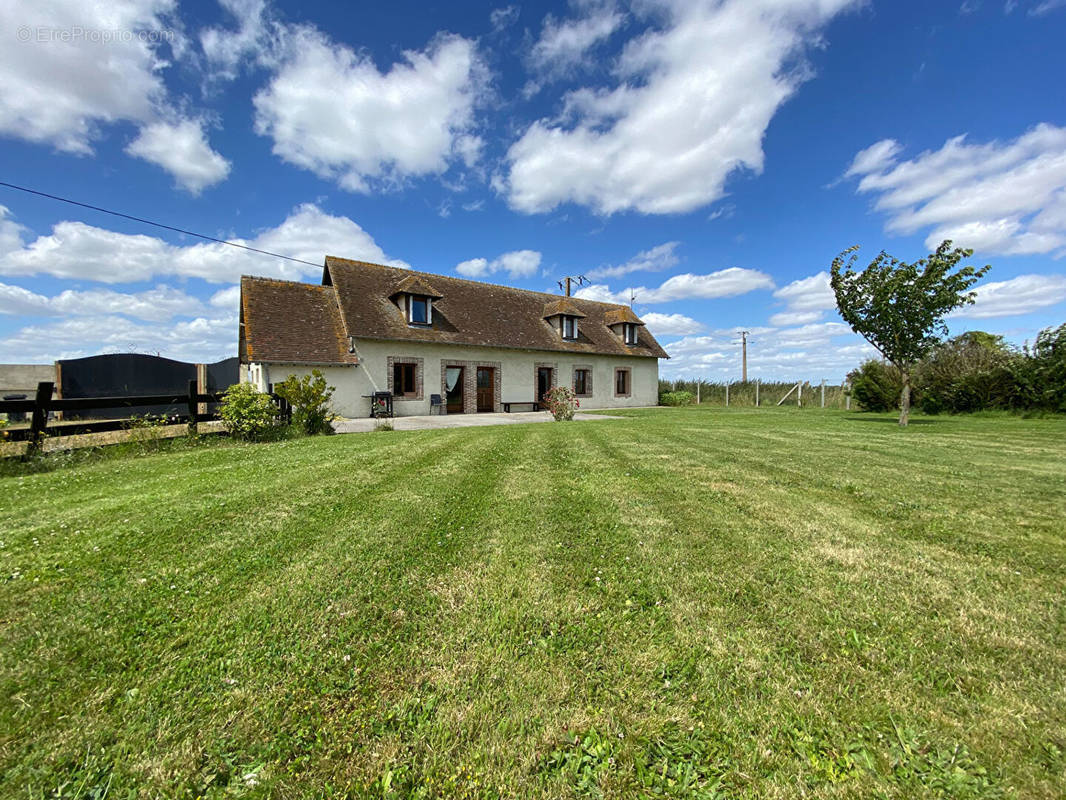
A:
[586, 390]
[629, 333]
[412, 299]
[570, 322]
[403, 370]
[626, 373]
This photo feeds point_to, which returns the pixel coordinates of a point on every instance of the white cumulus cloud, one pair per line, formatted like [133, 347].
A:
[78, 251]
[330, 110]
[806, 299]
[723, 283]
[995, 197]
[517, 264]
[182, 150]
[671, 324]
[691, 106]
[1018, 295]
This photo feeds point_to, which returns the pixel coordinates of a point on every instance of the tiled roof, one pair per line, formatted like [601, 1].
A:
[473, 313]
[413, 284]
[561, 306]
[620, 314]
[287, 322]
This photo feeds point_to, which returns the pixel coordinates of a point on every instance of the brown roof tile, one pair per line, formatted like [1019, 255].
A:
[561, 306]
[287, 322]
[620, 314]
[474, 313]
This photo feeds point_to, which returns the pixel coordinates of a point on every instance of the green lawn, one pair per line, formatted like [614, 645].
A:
[683, 603]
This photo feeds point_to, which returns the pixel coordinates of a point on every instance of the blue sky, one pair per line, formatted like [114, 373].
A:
[709, 158]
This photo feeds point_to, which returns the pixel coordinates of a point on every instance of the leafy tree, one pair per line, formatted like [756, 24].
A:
[310, 399]
[899, 308]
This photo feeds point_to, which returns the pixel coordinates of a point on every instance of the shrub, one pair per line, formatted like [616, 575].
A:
[562, 402]
[676, 398]
[876, 386]
[971, 372]
[248, 413]
[1041, 375]
[310, 400]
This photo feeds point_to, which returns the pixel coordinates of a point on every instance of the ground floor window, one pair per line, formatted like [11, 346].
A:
[582, 382]
[405, 378]
[621, 382]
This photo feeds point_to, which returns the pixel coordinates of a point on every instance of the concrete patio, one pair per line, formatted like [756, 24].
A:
[416, 423]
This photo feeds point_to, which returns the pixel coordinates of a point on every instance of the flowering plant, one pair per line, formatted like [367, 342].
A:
[562, 402]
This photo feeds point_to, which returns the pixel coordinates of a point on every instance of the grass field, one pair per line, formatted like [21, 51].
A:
[684, 603]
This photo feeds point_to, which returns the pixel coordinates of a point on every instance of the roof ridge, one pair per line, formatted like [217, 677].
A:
[480, 283]
[266, 279]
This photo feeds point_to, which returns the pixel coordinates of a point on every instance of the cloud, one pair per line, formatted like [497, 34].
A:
[182, 150]
[1018, 295]
[330, 110]
[687, 286]
[671, 324]
[1046, 7]
[564, 44]
[201, 339]
[258, 37]
[78, 251]
[84, 66]
[998, 197]
[505, 17]
[807, 352]
[690, 108]
[806, 300]
[654, 260]
[517, 264]
[159, 304]
[59, 92]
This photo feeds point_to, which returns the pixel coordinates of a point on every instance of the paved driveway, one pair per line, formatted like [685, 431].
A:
[454, 421]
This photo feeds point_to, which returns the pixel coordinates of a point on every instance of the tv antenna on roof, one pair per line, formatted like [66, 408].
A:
[564, 284]
[632, 298]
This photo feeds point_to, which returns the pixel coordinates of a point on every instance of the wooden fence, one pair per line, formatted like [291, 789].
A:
[193, 407]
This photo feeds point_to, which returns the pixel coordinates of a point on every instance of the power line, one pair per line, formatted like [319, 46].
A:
[155, 224]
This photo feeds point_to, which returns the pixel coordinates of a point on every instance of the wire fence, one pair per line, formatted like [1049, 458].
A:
[756, 393]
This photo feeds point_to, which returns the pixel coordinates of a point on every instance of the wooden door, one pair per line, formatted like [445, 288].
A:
[453, 385]
[485, 389]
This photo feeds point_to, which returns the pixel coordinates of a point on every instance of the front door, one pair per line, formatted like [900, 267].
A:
[485, 386]
[544, 382]
[453, 386]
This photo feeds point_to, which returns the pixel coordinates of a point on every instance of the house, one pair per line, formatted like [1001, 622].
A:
[372, 328]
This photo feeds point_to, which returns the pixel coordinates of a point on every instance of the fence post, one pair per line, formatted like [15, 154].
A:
[39, 422]
[847, 396]
[727, 394]
[823, 392]
[756, 392]
[698, 384]
[193, 407]
[799, 395]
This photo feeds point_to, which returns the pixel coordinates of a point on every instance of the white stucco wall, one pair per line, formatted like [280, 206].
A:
[517, 375]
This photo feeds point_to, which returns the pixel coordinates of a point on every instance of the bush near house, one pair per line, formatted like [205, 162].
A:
[876, 386]
[310, 398]
[248, 413]
[562, 402]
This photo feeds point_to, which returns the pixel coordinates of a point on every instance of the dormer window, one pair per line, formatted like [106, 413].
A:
[419, 310]
[629, 332]
[569, 327]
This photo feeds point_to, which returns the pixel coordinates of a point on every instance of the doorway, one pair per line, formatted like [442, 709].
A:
[486, 400]
[544, 382]
[453, 390]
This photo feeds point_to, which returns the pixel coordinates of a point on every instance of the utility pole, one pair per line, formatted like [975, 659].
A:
[743, 355]
[564, 284]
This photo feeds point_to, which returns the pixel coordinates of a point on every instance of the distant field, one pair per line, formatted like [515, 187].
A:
[689, 602]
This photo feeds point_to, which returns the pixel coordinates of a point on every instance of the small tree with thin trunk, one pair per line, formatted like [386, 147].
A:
[899, 308]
